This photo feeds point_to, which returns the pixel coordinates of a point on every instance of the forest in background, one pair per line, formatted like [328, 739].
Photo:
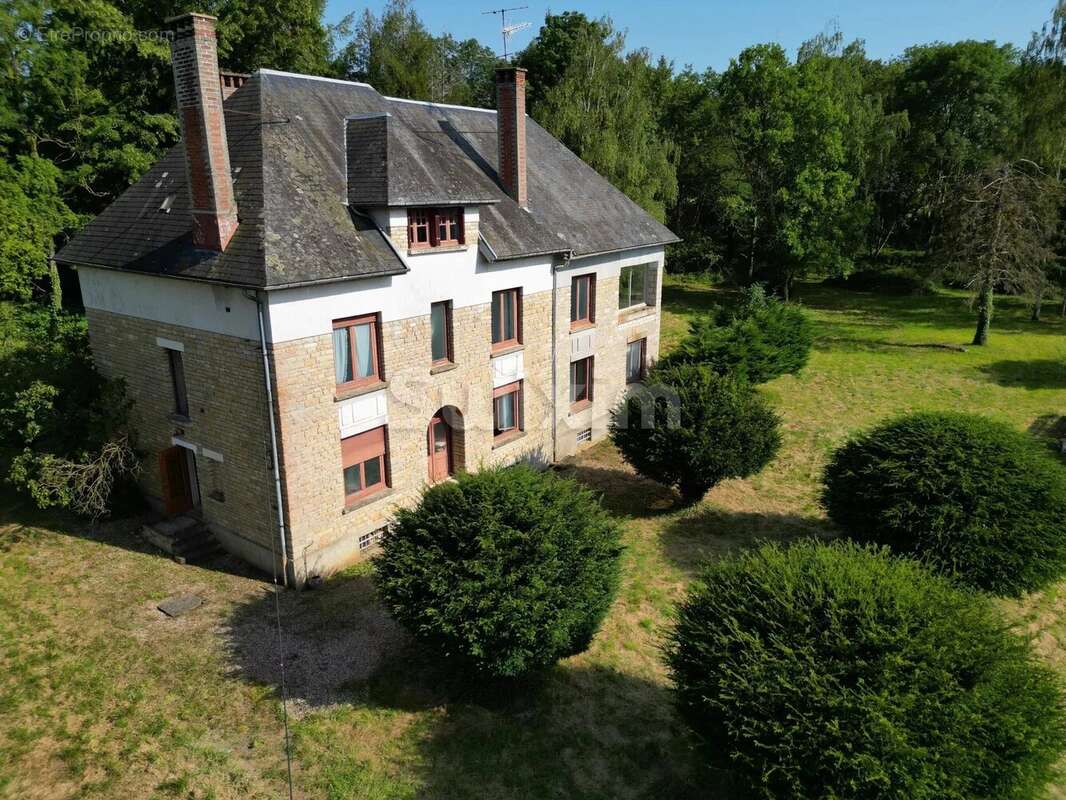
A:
[778, 168]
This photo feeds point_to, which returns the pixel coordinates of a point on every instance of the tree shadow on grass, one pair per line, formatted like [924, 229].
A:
[623, 492]
[1046, 373]
[691, 297]
[21, 520]
[578, 730]
[1051, 429]
[331, 637]
[708, 533]
[363, 691]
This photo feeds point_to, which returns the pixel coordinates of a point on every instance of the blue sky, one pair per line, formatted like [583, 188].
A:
[709, 33]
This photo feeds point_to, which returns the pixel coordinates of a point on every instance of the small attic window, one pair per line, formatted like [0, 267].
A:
[434, 227]
[167, 203]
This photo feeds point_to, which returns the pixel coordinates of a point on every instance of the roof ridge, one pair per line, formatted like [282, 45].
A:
[283, 74]
[436, 105]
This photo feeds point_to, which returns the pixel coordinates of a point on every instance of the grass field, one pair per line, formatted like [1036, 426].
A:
[101, 697]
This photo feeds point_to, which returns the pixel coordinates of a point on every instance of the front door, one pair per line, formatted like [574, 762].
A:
[177, 487]
[440, 449]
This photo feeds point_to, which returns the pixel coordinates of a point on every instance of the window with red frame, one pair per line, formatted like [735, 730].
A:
[434, 227]
[365, 461]
[506, 318]
[419, 223]
[357, 352]
[581, 383]
[582, 301]
[507, 410]
[449, 226]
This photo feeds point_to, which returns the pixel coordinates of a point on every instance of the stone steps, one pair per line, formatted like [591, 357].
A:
[184, 538]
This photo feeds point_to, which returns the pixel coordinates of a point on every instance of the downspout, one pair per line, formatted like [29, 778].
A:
[273, 442]
[555, 354]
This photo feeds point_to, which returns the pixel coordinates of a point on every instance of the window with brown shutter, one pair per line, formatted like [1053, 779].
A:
[507, 410]
[365, 463]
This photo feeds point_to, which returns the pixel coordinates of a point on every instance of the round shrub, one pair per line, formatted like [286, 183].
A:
[690, 428]
[507, 569]
[837, 671]
[970, 496]
[762, 340]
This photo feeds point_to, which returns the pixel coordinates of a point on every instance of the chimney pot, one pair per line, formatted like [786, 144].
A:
[194, 55]
[511, 131]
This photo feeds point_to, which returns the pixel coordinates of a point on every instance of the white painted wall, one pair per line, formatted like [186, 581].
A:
[462, 277]
[192, 304]
[610, 265]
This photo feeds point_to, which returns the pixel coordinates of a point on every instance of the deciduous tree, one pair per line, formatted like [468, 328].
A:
[999, 232]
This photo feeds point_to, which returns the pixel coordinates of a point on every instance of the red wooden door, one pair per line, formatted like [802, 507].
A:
[440, 449]
[174, 471]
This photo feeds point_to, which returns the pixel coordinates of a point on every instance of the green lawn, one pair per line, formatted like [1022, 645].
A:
[100, 697]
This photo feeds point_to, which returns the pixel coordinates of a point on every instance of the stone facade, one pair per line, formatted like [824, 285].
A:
[227, 419]
[324, 533]
[606, 341]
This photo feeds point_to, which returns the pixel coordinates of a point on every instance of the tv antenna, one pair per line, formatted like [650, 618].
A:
[507, 31]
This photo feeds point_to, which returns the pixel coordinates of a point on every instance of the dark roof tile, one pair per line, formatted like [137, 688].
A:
[291, 180]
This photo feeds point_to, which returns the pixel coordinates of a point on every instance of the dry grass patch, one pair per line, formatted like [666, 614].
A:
[101, 697]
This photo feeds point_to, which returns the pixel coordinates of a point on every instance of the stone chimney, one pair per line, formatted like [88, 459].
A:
[194, 54]
[511, 131]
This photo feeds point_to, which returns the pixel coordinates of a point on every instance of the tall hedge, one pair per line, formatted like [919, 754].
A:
[759, 341]
[690, 428]
[837, 671]
[970, 496]
[506, 570]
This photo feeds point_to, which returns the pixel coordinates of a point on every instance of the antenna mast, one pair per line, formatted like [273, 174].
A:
[507, 31]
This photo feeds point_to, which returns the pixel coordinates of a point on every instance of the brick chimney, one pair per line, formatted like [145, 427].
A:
[194, 54]
[511, 131]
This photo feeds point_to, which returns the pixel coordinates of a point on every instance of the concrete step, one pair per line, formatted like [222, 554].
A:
[204, 551]
[184, 538]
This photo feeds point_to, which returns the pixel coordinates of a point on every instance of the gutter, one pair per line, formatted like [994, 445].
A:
[555, 354]
[273, 442]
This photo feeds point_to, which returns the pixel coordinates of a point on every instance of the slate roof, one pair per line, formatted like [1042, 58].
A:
[290, 165]
[389, 164]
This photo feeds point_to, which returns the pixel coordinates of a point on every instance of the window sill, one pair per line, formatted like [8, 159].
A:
[636, 312]
[507, 350]
[181, 419]
[367, 499]
[437, 369]
[505, 439]
[577, 408]
[581, 327]
[348, 394]
[425, 251]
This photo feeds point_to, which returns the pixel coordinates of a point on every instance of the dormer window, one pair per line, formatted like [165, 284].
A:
[434, 227]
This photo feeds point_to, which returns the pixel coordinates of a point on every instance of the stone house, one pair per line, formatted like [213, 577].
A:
[324, 299]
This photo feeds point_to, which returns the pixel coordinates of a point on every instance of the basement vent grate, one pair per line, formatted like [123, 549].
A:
[584, 436]
[368, 539]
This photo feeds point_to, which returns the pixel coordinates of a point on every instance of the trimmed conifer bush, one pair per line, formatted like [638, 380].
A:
[690, 428]
[970, 496]
[763, 339]
[837, 671]
[507, 570]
